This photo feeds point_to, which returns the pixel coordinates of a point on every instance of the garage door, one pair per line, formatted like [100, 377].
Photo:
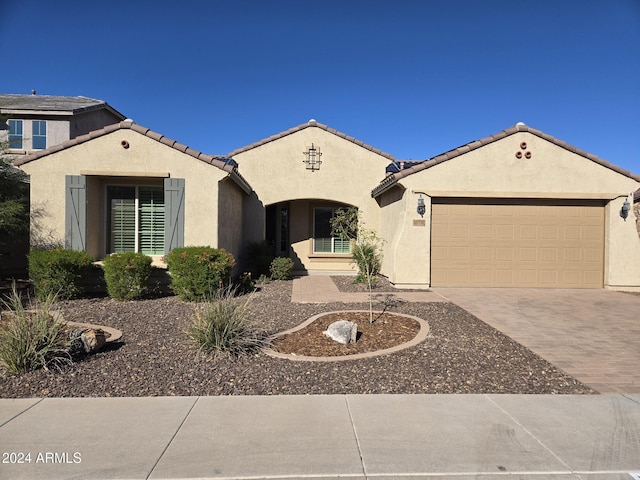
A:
[526, 244]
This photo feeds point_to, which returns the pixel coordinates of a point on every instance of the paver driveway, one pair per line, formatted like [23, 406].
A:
[593, 335]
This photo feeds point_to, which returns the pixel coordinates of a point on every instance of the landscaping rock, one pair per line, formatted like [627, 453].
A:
[342, 331]
[89, 340]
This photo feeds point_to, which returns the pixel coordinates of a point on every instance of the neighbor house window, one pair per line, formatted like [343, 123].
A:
[136, 219]
[39, 134]
[15, 134]
[323, 241]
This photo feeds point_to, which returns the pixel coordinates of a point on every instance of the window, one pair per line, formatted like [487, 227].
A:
[39, 134]
[15, 134]
[323, 241]
[136, 219]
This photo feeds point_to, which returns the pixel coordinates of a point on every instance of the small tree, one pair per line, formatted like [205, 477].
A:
[366, 247]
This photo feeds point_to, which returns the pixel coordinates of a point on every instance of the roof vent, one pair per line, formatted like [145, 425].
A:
[312, 121]
[128, 120]
[521, 124]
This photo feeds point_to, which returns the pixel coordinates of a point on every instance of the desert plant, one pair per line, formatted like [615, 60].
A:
[366, 247]
[199, 272]
[30, 340]
[281, 268]
[222, 325]
[126, 275]
[245, 283]
[58, 271]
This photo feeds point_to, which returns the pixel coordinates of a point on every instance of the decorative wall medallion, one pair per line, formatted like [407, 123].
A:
[313, 158]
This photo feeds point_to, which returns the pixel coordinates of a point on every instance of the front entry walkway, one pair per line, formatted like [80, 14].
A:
[593, 335]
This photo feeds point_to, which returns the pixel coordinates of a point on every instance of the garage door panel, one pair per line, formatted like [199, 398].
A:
[524, 244]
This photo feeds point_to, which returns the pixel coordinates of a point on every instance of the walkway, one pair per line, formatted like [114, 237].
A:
[319, 288]
[377, 437]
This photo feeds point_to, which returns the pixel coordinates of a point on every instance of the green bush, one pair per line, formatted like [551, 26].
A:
[281, 268]
[126, 275]
[223, 326]
[367, 257]
[59, 272]
[30, 340]
[198, 272]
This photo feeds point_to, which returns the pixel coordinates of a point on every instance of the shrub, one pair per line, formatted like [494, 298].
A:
[198, 272]
[223, 326]
[126, 275]
[59, 272]
[245, 283]
[30, 340]
[281, 268]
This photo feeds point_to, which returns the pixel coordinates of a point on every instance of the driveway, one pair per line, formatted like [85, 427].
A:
[593, 335]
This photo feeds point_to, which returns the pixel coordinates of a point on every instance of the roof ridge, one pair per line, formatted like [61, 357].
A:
[302, 126]
[392, 179]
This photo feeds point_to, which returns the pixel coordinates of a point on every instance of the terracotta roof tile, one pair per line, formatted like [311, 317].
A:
[311, 123]
[222, 164]
[392, 179]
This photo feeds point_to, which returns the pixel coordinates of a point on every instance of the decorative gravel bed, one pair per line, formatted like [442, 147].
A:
[461, 355]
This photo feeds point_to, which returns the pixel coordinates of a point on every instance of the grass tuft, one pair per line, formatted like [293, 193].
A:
[30, 340]
[222, 325]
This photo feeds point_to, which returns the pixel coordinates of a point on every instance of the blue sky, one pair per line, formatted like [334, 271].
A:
[413, 78]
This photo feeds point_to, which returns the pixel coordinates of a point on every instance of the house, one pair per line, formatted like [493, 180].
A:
[37, 122]
[519, 208]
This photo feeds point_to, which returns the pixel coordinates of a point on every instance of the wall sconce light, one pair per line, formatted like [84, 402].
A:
[421, 208]
[313, 158]
[624, 211]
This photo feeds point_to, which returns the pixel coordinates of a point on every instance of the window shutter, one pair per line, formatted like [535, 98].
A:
[75, 212]
[173, 213]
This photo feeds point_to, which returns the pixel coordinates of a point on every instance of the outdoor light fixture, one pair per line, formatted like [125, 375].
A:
[313, 158]
[624, 211]
[421, 208]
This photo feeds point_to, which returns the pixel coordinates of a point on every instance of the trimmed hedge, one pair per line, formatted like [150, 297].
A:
[126, 275]
[197, 273]
[58, 272]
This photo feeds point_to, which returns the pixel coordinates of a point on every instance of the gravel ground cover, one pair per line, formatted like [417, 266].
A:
[155, 358]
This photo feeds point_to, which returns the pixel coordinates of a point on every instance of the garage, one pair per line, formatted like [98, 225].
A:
[517, 243]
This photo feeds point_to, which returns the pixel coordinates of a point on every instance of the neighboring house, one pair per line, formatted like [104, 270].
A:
[37, 122]
[518, 209]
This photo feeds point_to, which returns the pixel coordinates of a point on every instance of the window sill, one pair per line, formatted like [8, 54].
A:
[331, 255]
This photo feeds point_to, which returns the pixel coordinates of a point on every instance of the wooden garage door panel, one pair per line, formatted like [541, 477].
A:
[528, 244]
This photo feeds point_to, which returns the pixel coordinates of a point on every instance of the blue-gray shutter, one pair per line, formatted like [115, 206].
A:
[75, 223]
[173, 213]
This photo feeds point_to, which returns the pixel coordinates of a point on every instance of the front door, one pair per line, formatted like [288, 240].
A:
[277, 228]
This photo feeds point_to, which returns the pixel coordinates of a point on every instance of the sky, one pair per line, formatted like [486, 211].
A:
[414, 78]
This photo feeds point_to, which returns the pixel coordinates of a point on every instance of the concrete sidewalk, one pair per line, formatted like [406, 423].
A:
[322, 437]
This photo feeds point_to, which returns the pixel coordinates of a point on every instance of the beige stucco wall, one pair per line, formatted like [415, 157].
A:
[146, 160]
[494, 171]
[276, 172]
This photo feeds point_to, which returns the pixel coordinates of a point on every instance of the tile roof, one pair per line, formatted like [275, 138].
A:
[311, 123]
[392, 179]
[223, 163]
[12, 103]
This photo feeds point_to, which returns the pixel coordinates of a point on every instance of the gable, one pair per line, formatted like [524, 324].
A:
[518, 161]
[277, 171]
[130, 148]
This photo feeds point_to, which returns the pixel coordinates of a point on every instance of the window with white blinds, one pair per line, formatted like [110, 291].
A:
[323, 241]
[136, 219]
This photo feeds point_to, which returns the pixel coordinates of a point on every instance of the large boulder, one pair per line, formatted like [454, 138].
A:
[342, 331]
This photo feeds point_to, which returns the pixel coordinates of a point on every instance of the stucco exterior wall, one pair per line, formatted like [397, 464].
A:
[277, 173]
[229, 220]
[103, 160]
[494, 171]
